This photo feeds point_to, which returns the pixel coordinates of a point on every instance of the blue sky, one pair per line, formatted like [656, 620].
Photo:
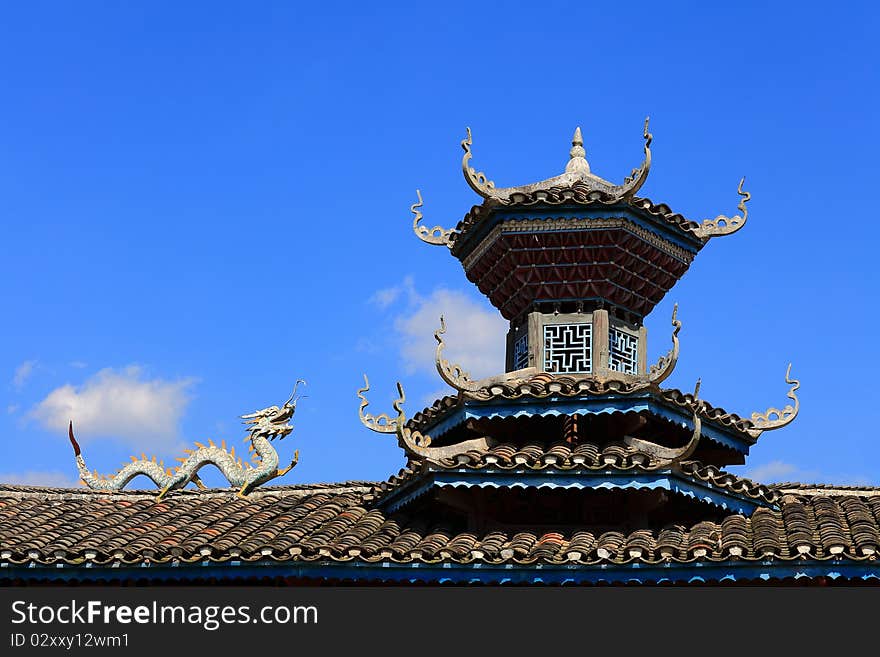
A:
[201, 203]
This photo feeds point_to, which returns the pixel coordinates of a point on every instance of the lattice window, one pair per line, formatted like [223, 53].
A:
[623, 351]
[521, 352]
[568, 348]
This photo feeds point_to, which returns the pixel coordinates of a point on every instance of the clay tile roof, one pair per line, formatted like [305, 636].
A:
[826, 489]
[337, 523]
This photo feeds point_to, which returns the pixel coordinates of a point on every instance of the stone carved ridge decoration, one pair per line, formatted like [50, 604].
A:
[723, 225]
[264, 425]
[661, 370]
[774, 418]
[639, 175]
[454, 375]
[670, 455]
[437, 235]
[414, 443]
[382, 423]
[577, 171]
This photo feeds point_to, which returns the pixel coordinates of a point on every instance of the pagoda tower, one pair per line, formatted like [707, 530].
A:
[577, 435]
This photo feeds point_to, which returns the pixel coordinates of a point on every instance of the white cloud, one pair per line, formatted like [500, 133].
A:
[384, 298]
[439, 393]
[78, 364]
[23, 373]
[119, 404]
[475, 338]
[39, 478]
[11, 409]
[776, 472]
[367, 346]
[387, 296]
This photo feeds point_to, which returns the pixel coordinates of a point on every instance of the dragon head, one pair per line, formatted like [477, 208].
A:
[279, 431]
[271, 422]
[287, 409]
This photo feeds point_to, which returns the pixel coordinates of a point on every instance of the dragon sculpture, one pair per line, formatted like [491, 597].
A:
[263, 426]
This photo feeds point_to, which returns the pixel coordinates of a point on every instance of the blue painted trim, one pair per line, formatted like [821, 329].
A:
[588, 405]
[592, 405]
[610, 479]
[478, 573]
[644, 220]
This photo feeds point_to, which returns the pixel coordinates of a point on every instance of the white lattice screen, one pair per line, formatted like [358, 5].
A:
[568, 348]
[623, 351]
[521, 352]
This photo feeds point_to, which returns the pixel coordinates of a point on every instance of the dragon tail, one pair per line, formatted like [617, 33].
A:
[92, 480]
[143, 466]
[76, 450]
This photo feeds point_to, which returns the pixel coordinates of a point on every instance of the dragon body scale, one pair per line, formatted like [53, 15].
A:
[264, 426]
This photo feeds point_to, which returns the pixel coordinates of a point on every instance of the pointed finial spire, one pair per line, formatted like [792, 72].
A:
[578, 162]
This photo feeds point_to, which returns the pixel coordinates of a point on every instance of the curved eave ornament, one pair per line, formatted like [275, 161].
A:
[673, 455]
[414, 443]
[776, 418]
[722, 224]
[577, 171]
[455, 376]
[437, 235]
[665, 365]
[452, 374]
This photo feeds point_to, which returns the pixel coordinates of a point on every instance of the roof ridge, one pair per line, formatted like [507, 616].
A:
[821, 488]
[24, 490]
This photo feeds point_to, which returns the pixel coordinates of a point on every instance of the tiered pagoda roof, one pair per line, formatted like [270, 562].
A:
[576, 261]
[573, 465]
